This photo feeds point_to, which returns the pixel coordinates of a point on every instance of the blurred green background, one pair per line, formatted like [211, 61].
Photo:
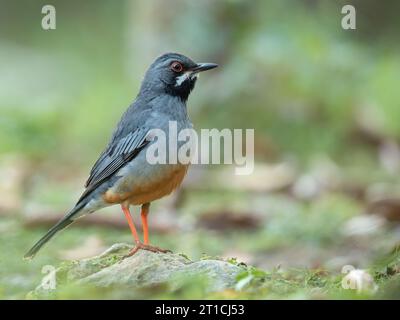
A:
[324, 103]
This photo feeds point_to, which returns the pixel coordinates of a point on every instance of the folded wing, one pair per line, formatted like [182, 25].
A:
[116, 155]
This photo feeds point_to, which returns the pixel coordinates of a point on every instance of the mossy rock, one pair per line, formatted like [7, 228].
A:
[143, 270]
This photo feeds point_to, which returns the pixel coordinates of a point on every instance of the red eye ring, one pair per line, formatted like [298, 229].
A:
[176, 66]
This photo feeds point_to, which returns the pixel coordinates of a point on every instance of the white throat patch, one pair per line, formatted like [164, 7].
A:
[185, 76]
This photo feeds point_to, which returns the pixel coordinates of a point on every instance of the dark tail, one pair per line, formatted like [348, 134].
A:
[63, 223]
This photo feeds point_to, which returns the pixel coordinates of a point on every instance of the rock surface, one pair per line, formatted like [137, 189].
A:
[144, 269]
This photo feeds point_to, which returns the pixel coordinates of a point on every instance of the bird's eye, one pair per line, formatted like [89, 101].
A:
[176, 66]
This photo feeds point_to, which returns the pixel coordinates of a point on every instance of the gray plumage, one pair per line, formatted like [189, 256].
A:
[122, 173]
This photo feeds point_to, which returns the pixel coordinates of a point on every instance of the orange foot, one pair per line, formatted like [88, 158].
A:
[147, 247]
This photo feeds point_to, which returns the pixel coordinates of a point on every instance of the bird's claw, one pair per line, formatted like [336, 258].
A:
[142, 246]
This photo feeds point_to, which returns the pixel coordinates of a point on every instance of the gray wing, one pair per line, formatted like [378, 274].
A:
[116, 155]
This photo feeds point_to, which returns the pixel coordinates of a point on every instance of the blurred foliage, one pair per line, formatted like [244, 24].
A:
[287, 69]
[283, 65]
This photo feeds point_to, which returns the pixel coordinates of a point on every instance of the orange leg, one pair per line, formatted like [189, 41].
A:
[139, 245]
[130, 222]
[144, 212]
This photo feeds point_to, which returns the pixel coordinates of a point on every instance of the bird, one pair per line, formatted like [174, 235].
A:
[122, 175]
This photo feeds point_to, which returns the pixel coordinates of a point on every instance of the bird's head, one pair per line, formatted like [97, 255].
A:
[174, 74]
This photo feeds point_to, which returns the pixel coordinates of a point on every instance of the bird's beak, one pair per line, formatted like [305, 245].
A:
[203, 67]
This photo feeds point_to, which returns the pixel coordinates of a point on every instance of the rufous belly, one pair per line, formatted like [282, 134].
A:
[139, 191]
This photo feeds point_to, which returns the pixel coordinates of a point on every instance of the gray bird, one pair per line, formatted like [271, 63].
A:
[122, 174]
